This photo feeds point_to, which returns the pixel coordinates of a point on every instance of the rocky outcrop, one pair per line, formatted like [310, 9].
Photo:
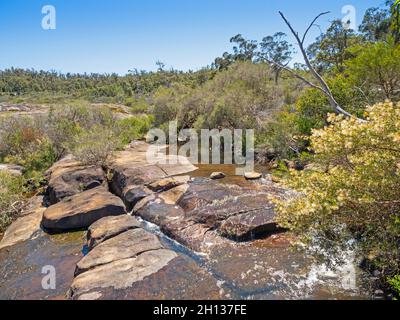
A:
[131, 167]
[25, 227]
[82, 210]
[69, 177]
[126, 245]
[119, 274]
[12, 169]
[124, 258]
[109, 227]
[206, 209]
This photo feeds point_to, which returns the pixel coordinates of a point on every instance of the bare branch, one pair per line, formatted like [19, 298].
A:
[324, 86]
[298, 76]
[312, 24]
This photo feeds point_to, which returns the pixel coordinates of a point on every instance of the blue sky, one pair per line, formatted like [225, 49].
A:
[115, 36]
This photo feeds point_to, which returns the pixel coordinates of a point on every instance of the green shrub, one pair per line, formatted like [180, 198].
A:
[11, 198]
[137, 106]
[94, 146]
[395, 284]
[133, 128]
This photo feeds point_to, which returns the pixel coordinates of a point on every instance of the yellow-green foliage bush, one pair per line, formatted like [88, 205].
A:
[11, 198]
[354, 193]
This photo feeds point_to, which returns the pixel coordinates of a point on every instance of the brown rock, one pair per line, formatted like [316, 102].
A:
[133, 194]
[157, 211]
[126, 245]
[82, 210]
[168, 183]
[174, 195]
[69, 177]
[109, 227]
[132, 167]
[121, 274]
[250, 225]
[253, 175]
[25, 227]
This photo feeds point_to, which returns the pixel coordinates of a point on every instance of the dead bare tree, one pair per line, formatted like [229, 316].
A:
[322, 86]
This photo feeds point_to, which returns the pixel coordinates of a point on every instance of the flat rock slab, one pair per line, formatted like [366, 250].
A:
[250, 225]
[120, 274]
[82, 210]
[173, 282]
[155, 210]
[126, 245]
[204, 210]
[133, 167]
[109, 227]
[168, 183]
[25, 227]
[69, 177]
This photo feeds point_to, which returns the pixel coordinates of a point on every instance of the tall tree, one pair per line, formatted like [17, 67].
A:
[330, 49]
[395, 18]
[277, 49]
[376, 24]
[244, 50]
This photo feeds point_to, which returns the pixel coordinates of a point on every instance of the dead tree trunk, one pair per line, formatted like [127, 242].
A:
[322, 85]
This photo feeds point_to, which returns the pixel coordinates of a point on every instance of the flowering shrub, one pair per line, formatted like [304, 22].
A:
[352, 196]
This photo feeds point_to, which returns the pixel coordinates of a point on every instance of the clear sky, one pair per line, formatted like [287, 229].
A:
[115, 36]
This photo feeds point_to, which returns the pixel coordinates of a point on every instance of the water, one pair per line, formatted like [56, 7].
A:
[267, 268]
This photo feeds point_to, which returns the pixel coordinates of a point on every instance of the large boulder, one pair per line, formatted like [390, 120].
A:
[120, 274]
[131, 167]
[249, 225]
[82, 210]
[69, 177]
[128, 244]
[109, 227]
[133, 194]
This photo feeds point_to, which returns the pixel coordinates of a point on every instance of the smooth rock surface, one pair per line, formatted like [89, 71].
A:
[133, 194]
[121, 274]
[155, 210]
[109, 227]
[136, 167]
[69, 177]
[125, 245]
[82, 210]
[174, 196]
[253, 175]
[26, 226]
[168, 183]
